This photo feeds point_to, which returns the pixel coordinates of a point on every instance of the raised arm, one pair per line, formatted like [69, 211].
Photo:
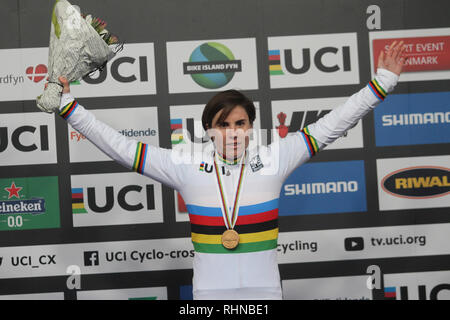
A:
[151, 161]
[334, 124]
[301, 146]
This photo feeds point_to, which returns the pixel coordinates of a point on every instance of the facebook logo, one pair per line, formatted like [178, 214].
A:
[91, 258]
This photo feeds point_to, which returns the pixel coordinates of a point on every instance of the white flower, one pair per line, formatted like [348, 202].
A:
[104, 31]
[88, 19]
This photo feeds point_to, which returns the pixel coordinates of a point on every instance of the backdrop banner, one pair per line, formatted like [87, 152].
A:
[367, 218]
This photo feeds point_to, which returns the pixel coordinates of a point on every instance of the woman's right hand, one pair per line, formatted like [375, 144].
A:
[64, 82]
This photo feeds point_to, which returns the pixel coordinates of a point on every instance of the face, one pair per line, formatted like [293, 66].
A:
[231, 137]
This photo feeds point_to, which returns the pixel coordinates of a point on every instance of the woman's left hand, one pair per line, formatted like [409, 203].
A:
[394, 59]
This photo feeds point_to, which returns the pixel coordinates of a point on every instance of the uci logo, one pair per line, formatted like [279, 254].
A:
[181, 134]
[326, 59]
[25, 138]
[121, 195]
[423, 292]
[139, 66]
[208, 168]
[313, 60]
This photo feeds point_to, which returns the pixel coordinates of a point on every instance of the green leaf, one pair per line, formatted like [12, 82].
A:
[55, 22]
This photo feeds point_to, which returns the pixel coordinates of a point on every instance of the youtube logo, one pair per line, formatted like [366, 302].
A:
[354, 244]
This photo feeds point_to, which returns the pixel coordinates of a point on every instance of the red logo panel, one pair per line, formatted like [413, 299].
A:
[423, 53]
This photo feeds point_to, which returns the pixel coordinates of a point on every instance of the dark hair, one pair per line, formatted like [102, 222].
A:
[226, 100]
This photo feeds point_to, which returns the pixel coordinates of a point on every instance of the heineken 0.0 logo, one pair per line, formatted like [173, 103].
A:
[212, 65]
[29, 203]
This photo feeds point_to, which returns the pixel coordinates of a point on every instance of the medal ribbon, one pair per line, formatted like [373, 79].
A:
[230, 223]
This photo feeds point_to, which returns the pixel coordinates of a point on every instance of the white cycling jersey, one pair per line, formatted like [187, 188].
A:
[250, 271]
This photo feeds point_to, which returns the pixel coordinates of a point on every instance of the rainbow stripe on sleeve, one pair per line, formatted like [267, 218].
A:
[68, 110]
[140, 157]
[377, 90]
[311, 143]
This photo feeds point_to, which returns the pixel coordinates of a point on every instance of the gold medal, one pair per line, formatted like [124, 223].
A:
[230, 239]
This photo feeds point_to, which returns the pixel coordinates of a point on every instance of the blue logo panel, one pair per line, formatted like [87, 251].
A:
[418, 118]
[327, 187]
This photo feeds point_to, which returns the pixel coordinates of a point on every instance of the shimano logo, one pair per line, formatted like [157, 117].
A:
[415, 119]
[320, 188]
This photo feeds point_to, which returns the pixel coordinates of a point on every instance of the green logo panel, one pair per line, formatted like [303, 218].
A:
[29, 203]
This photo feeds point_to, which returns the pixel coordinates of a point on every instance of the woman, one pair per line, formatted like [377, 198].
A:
[232, 194]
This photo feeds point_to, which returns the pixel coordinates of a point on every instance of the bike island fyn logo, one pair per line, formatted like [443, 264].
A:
[212, 65]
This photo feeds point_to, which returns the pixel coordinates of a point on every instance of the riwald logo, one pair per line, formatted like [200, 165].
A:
[212, 65]
[419, 182]
[37, 73]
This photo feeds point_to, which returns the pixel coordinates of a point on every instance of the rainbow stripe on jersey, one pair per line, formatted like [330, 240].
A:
[257, 226]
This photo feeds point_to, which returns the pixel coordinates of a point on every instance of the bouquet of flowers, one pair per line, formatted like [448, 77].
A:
[79, 45]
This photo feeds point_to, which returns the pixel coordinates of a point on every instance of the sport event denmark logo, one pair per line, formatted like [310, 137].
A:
[423, 53]
[427, 52]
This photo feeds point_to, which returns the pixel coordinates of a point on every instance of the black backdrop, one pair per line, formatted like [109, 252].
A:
[25, 24]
